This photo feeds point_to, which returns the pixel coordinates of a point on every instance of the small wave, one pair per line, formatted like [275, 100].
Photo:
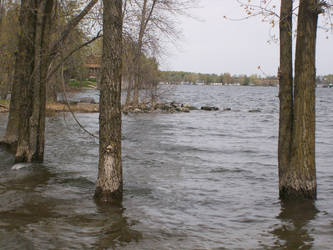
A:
[19, 166]
[81, 182]
[191, 128]
[248, 151]
[14, 240]
[225, 170]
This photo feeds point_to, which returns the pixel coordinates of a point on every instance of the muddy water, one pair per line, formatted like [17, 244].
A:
[202, 180]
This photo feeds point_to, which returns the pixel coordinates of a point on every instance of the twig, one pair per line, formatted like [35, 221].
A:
[69, 107]
[56, 68]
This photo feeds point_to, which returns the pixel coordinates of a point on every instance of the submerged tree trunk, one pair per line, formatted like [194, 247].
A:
[300, 179]
[146, 16]
[32, 113]
[110, 180]
[5, 82]
[153, 94]
[129, 92]
[137, 53]
[23, 70]
[27, 109]
[285, 91]
[137, 62]
[135, 101]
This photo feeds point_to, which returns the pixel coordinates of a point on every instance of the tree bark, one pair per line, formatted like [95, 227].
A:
[110, 180]
[23, 71]
[26, 123]
[129, 91]
[6, 84]
[300, 179]
[1, 14]
[285, 90]
[135, 101]
[33, 99]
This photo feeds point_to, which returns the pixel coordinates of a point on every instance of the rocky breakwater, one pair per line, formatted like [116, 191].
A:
[174, 107]
[210, 108]
[88, 105]
[171, 107]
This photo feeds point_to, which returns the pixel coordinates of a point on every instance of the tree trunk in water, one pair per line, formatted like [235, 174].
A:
[136, 82]
[5, 82]
[110, 180]
[300, 180]
[129, 92]
[138, 50]
[32, 114]
[153, 95]
[26, 122]
[23, 70]
[135, 101]
[285, 91]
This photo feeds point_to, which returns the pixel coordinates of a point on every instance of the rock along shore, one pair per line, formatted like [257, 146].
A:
[87, 106]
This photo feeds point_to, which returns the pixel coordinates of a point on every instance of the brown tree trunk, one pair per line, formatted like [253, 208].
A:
[4, 82]
[300, 179]
[136, 77]
[2, 9]
[28, 76]
[32, 113]
[129, 92]
[285, 90]
[135, 101]
[110, 180]
[153, 94]
[6, 85]
[146, 15]
[23, 70]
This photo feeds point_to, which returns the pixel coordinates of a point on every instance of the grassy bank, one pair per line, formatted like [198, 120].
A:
[79, 107]
[90, 83]
[4, 102]
[4, 106]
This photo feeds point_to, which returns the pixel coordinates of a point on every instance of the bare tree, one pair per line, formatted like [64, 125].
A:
[300, 179]
[8, 44]
[285, 90]
[23, 70]
[296, 154]
[26, 123]
[110, 180]
[32, 97]
[145, 23]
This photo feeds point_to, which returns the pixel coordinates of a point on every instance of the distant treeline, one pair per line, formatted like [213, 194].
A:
[181, 77]
[178, 77]
[325, 80]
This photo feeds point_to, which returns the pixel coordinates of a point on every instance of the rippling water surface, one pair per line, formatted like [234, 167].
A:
[199, 180]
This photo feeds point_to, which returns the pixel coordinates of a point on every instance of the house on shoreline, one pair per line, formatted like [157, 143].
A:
[93, 64]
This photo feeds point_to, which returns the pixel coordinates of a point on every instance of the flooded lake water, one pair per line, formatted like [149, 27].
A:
[199, 180]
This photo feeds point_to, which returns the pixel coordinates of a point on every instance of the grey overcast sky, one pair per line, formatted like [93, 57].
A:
[217, 45]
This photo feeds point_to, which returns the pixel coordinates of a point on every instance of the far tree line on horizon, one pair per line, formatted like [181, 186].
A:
[178, 77]
[44, 52]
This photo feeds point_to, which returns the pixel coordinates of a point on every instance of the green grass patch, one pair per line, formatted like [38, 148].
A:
[4, 102]
[92, 80]
[82, 84]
